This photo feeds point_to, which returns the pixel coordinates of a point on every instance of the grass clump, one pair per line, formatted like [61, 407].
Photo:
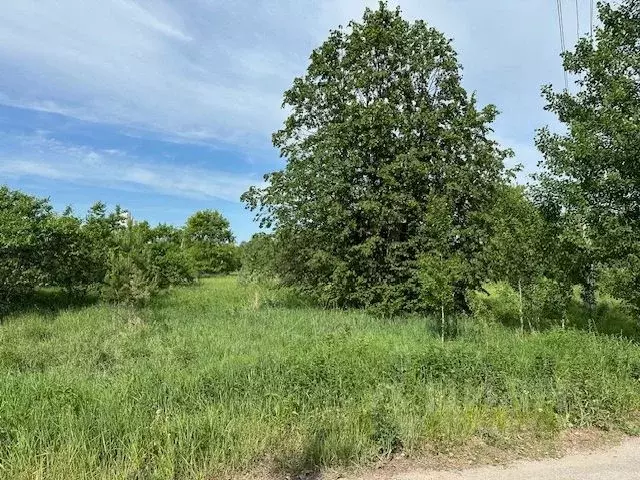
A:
[212, 379]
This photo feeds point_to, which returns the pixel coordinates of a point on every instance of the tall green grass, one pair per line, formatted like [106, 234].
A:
[218, 378]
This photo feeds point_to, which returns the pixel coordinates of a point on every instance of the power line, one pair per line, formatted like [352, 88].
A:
[578, 19]
[561, 23]
[562, 42]
[591, 21]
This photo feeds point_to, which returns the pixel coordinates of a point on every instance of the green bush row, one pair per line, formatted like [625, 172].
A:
[104, 253]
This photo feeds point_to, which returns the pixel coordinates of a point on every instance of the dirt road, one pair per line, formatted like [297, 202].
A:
[618, 463]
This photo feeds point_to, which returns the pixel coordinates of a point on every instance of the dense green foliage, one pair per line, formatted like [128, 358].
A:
[590, 189]
[210, 243]
[259, 257]
[129, 277]
[382, 144]
[394, 198]
[22, 235]
[221, 377]
[524, 252]
[169, 262]
[104, 253]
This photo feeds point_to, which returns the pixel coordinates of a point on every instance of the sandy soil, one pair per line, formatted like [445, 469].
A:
[614, 463]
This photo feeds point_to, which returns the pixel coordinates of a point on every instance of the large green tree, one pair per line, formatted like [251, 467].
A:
[210, 242]
[379, 126]
[590, 187]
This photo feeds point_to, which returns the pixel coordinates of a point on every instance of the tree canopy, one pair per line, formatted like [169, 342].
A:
[590, 185]
[208, 226]
[210, 243]
[380, 128]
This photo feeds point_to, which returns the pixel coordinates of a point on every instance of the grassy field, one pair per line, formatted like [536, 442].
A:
[219, 378]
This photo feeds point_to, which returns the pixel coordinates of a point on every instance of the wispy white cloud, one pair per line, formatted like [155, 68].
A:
[41, 157]
[214, 71]
[151, 67]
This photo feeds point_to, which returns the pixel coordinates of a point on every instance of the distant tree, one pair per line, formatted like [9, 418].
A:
[591, 178]
[170, 263]
[165, 233]
[126, 262]
[210, 243]
[441, 269]
[379, 125]
[166, 261]
[438, 277]
[208, 226]
[99, 228]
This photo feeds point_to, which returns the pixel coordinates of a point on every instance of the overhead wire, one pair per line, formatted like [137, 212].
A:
[562, 40]
[578, 19]
[591, 21]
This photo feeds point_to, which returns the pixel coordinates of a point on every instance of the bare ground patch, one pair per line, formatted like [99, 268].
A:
[474, 454]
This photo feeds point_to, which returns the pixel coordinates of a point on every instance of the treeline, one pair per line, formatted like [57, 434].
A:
[105, 253]
[395, 197]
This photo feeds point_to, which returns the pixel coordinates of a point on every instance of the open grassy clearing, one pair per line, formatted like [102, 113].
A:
[219, 378]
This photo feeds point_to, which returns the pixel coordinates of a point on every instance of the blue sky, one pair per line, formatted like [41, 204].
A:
[167, 107]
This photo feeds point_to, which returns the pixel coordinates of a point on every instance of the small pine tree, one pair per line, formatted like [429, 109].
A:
[129, 279]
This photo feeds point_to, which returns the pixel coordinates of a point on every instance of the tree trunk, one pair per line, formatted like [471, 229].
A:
[588, 293]
[520, 305]
[460, 299]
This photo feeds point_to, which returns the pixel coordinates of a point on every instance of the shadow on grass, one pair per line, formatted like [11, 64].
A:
[306, 464]
[609, 317]
[49, 302]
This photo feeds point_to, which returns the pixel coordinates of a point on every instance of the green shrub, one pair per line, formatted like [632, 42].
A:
[546, 302]
[170, 265]
[498, 303]
[622, 280]
[126, 263]
[258, 258]
[215, 259]
[69, 262]
[24, 244]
